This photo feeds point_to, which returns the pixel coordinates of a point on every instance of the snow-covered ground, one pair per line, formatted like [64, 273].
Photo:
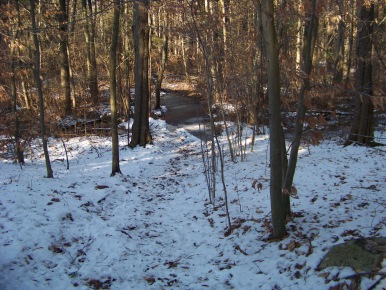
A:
[152, 227]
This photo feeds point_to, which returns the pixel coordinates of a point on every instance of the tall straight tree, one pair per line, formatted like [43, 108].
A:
[113, 89]
[89, 33]
[15, 33]
[141, 128]
[362, 130]
[310, 34]
[39, 86]
[278, 209]
[64, 58]
[162, 62]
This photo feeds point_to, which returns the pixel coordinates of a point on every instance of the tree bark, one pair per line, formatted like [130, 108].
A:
[310, 34]
[339, 46]
[113, 90]
[15, 33]
[127, 70]
[92, 74]
[161, 70]
[64, 58]
[276, 132]
[38, 82]
[362, 130]
[141, 128]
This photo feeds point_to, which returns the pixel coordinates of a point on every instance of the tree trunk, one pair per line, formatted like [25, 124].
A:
[141, 129]
[15, 33]
[26, 95]
[310, 34]
[113, 90]
[94, 91]
[64, 59]
[276, 133]
[350, 45]
[92, 75]
[127, 70]
[161, 70]
[362, 130]
[339, 47]
[38, 82]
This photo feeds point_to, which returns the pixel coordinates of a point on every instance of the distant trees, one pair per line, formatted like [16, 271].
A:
[90, 37]
[261, 56]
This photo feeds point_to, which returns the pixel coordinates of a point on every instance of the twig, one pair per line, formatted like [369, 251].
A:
[241, 251]
[65, 150]
[363, 274]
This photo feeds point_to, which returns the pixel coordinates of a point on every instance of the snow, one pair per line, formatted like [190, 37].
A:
[152, 226]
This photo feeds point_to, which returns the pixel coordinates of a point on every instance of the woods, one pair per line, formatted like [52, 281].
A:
[264, 58]
[278, 158]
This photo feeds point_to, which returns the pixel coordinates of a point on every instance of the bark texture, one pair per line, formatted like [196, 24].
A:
[362, 130]
[113, 91]
[276, 133]
[141, 129]
[39, 87]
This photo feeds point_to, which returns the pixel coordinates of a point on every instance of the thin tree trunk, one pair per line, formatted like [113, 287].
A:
[94, 68]
[350, 46]
[310, 32]
[26, 94]
[15, 33]
[339, 47]
[71, 28]
[92, 76]
[210, 90]
[38, 82]
[64, 58]
[276, 160]
[161, 70]
[127, 69]
[113, 90]
[299, 39]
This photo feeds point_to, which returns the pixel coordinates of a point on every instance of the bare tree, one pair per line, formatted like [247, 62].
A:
[15, 34]
[89, 33]
[310, 34]
[38, 83]
[113, 90]
[162, 64]
[141, 128]
[64, 58]
[278, 210]
[362, 130]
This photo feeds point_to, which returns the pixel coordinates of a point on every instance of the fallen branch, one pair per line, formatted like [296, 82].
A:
[364, 274]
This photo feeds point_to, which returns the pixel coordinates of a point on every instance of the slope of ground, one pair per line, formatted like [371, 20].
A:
[153, 228]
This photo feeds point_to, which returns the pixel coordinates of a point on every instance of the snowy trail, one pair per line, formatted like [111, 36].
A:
[152, 228]
[149, 222]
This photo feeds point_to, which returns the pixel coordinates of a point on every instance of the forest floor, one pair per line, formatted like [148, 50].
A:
[152, 227]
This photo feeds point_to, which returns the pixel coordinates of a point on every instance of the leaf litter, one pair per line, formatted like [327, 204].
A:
[153, 227]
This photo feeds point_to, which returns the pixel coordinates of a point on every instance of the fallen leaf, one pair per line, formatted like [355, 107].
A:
[55, 249]
[149, 280]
